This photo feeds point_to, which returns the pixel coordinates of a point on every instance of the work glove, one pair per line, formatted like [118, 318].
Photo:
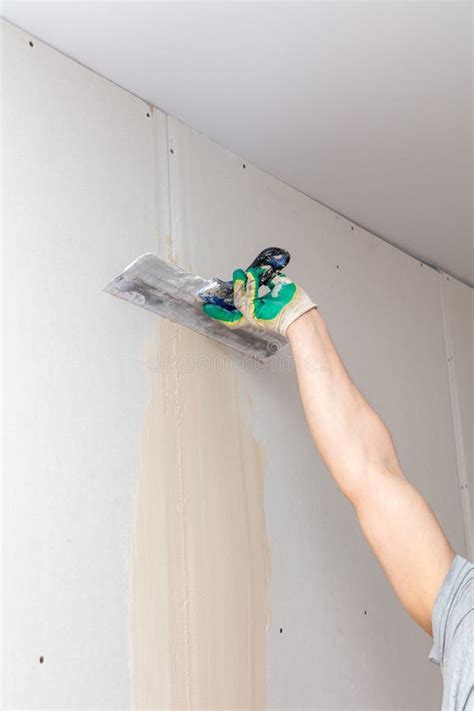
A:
[274, 311]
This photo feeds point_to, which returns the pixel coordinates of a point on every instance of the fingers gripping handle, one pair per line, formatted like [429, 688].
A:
[272, 260]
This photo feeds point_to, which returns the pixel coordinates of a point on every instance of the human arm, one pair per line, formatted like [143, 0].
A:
[355, 445]
[358, 450]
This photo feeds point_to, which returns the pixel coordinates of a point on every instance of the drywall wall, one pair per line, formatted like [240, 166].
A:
[328, 648]
[78, 203]
[140, 459]
[458, 319]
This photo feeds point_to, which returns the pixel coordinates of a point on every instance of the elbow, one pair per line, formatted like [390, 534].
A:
[367, 475]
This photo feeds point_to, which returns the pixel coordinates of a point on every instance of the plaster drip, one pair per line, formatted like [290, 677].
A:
[200, 558]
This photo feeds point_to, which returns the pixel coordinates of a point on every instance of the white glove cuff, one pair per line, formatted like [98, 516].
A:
[294, 311]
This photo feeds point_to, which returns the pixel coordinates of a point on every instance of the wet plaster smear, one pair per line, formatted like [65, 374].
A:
[200, 558]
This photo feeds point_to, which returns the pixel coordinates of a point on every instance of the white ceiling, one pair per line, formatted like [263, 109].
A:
[365, 106]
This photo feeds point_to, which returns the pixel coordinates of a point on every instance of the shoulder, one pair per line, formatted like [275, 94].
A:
[453, 632]
[454, 607]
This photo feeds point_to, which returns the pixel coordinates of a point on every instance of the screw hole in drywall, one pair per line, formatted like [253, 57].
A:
[243, 165]
[31, 44]
[148, 114]
[41, 660]
[352, 227]
[281, 630]
[171, 150]
[365, 612]
[337, 266]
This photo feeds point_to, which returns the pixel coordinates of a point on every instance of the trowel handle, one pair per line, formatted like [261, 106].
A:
[220, 293]
[273, 260]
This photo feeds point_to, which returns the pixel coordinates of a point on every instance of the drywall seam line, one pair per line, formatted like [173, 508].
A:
[456, 419]
[175, 190]
[162, 181]
[176, 252]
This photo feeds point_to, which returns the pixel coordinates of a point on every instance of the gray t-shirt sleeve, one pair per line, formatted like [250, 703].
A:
[453, 636]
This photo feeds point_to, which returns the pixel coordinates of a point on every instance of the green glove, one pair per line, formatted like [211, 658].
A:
[274, 311]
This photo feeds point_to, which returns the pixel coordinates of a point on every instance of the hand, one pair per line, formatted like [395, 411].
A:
[274, 311]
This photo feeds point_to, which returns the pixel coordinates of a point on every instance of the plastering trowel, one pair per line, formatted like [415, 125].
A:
[160, 286]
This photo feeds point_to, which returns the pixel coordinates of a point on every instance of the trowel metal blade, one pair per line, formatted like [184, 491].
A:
[160, 286]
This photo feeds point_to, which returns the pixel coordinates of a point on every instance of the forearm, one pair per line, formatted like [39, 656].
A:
[350, 436]
[358, 451]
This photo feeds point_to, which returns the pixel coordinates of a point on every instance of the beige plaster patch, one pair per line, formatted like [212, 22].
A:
[200, 558]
